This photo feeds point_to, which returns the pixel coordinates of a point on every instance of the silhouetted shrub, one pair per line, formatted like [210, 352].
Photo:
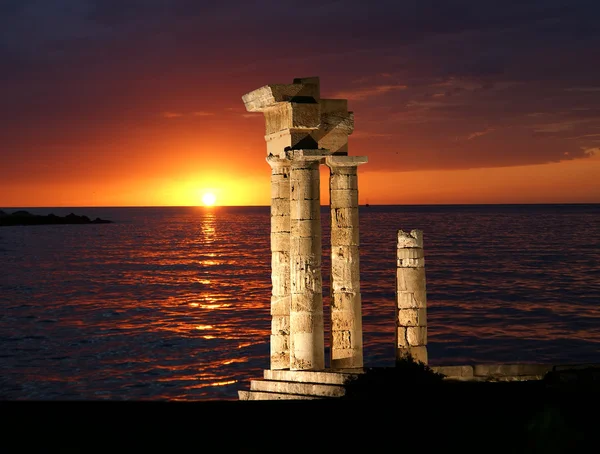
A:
[392, 382]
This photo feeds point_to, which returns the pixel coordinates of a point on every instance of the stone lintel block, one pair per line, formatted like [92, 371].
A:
[344, 217]
[341, 340]
[307, 248]
[343, 198]
[286, 116]
[343, 181]
[334, 106]
[280, 241]
[342, 123]
[345, 236]
[416, 335]
[342, 320]
[313, 83]
[335, 115]
[268, 95]
[280, 207]
[410, 279]
[410, 300]
[414, 239]
[306, 157]
[345, 254]
[289, 139]
[418, 354]
[338, 163]
[412, 317]
[410, 263]
[280, 305]
[334, 140]
[346, 301]
[306, 210]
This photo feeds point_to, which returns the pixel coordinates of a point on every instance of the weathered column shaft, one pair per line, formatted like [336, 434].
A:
[280, 262]
[346, 311]
[411, 297]
[307, 345]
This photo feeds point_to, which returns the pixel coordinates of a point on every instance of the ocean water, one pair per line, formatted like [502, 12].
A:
[172, 303]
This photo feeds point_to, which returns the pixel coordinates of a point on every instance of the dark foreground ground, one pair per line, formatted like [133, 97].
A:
[511, 417]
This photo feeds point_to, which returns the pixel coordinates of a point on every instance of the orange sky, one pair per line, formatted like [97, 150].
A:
[109, 106]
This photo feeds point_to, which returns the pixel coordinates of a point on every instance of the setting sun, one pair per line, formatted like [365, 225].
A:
[209, 199]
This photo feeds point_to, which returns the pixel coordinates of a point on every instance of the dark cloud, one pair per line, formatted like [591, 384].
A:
[434, 84]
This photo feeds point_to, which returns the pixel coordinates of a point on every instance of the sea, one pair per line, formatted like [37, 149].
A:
[172, 303]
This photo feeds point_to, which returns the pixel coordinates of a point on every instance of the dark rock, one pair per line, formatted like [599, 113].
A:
[25, 218]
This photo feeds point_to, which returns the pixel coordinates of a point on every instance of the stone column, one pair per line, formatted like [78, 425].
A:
[346, 312]
[280, 262]
[411, 297]
[307, 344]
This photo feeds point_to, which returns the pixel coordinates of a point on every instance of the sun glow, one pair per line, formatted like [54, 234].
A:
[209, 199]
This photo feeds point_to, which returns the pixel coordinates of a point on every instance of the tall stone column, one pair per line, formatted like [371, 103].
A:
[346, 311]
[307, 344]
[280, 262]
[411, 297]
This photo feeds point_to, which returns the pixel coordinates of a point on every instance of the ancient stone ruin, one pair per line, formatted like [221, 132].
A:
[304, 131]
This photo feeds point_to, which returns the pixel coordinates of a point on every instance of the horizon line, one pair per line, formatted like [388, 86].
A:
[325, 205]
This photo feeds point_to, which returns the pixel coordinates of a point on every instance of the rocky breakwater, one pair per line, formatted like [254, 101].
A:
[26, 218]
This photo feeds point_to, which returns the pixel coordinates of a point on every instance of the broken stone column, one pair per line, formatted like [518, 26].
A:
[280, 262]
[411, 297]
[307, 343]
[346, 312]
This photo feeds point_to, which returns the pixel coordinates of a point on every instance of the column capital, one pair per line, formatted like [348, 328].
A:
[277, 162]
[345, 161]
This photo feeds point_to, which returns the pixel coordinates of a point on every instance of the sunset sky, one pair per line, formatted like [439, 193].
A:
[138, 102]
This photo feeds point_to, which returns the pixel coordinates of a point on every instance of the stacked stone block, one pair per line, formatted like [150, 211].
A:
[280, 262]
[346, 312]
[304, 131]
[411, 297]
